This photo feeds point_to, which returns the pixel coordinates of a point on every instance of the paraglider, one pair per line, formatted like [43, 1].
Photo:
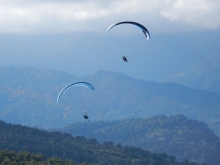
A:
[144, 30]
[124, 59]
[83, 84]
[85, 116]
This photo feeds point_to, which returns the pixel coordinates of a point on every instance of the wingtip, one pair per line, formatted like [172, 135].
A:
[110, 27]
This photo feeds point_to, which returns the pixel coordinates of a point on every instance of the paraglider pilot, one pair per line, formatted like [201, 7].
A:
[85, 116]
[124, 59]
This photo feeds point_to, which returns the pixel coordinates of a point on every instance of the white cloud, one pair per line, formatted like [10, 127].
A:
[53, 16]
[203, 13]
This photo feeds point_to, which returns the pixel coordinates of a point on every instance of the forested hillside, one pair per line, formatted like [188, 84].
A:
[26, 158]
[175, 135]
[28, 97]
[78, 149]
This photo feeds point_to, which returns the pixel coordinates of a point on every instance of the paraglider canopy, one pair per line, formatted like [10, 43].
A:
[83, 84]
[144, 30]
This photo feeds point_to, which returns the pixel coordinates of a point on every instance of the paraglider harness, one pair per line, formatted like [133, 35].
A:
[85, 116]
[124, 59]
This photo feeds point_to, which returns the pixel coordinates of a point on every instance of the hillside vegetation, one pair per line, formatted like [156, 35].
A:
[175, 135]
[26, 158]
[78, 149]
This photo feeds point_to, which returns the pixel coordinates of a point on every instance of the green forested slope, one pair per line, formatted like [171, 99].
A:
[78, 149]
[175, 135]
[26, 158]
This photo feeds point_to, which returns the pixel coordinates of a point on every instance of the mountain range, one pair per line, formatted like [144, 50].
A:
[28, 97]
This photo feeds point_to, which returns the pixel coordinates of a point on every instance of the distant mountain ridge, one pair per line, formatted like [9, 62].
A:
[203, 75]
[28, 96]
[174, 135]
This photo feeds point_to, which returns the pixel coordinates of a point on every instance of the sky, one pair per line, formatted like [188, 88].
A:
[64, 16]
[70, 35]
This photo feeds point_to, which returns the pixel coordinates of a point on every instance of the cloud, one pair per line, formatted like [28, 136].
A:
[55, 16]
[200, 13]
